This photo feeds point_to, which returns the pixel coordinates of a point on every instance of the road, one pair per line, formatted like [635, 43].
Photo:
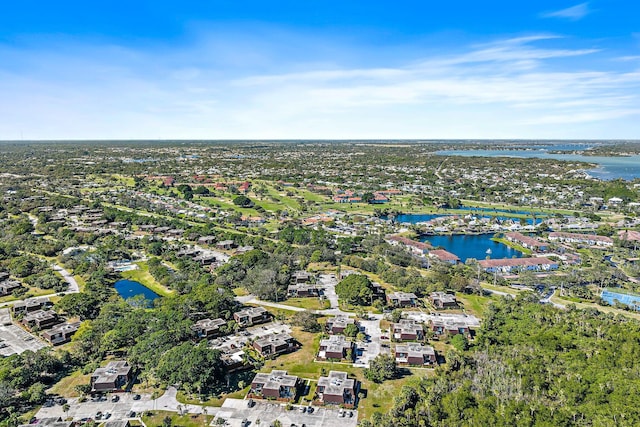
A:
[68, 277]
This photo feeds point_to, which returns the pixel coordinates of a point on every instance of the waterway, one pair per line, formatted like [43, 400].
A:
[609, 168]
[467, 246]
[130, 288]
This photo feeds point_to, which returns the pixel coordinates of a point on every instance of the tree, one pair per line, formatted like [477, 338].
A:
[243, 202]
[355, 289]
[351, 330]
[307, 320]
[382, 368]
[460, 342]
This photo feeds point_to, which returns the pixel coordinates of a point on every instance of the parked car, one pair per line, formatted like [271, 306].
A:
[115, 398]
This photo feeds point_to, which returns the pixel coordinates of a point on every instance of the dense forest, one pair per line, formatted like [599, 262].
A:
[532, 365]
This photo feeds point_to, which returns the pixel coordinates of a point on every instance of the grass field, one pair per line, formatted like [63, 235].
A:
[66, 386]
[143, 276]
[474, 304]
[157, 419]
[307, 303]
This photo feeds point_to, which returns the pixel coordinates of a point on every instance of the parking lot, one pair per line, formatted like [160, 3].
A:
[117, 410]
[369, 350]
[14, 339]
[235, 411]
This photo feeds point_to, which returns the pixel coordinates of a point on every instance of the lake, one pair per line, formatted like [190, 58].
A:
[130, 288]
[608, 167]
[467, 246]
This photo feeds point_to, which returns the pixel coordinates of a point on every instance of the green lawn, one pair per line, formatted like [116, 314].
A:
[66, 386]
[474, 304]
[143, 276]
[311, 303]
[157, 418]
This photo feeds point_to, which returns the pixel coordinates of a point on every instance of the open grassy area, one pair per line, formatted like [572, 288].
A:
[513, 245]
[498, 288]
[157, 418]
[558, 300]
[66, 386]
[311, 303]
[143, 276]
[474, 304]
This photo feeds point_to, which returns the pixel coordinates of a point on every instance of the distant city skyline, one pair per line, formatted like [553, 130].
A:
[325, 70]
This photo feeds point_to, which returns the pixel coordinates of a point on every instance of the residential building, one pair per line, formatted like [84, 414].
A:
[588, 239]
[444, 256]
[61, 333]
[275, 385]
[336, 347]
[8, 286]
[337, 389]
[415, 354]
[449, 327]
[303, 290]
[40, 319]
[402, 299]
[337, 325]
[30, 305]
[527, 242]
[511, 265]
[442, 300]
[251, 316]
[301, 277]
[225, 244]
[273, 345]
[206, 328]
[407, 330]
[112, 377]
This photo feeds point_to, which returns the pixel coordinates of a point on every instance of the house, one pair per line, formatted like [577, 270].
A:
[407, 330]
[301, 277]
[112, 377]
[273, 345]
[417, 248]
[336, 347]
[303, 290]
[251, 316]
[4, 276]
[337, 325]
[225, 244]
[8, 286]
[588, 239]
[444, 256]
[449, 327]
[629, 235]
[402, 299]
[275, 385]
[527, 242]
[40, 319]
[206, 328]
[337, 389]
[442, 300]
[30, 305]
[61, 333]
[207, 240]
[415, 354]
[509, 265]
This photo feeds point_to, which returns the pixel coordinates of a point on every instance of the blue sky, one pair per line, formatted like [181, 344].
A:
[217, 69]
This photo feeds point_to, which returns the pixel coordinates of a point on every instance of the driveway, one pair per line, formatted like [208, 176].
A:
[369, 350]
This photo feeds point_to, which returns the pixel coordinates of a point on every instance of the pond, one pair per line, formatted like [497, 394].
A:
[130, 288]
[467, 246]
[478, 212]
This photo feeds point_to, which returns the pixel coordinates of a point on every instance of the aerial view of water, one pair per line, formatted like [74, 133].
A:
[609, 168]
[131, 288]
[472, 246]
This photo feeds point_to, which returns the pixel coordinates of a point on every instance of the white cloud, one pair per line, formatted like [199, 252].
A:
[573, 13]
[523, 87]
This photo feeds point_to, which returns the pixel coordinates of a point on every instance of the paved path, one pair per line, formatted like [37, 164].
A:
[68, 277]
